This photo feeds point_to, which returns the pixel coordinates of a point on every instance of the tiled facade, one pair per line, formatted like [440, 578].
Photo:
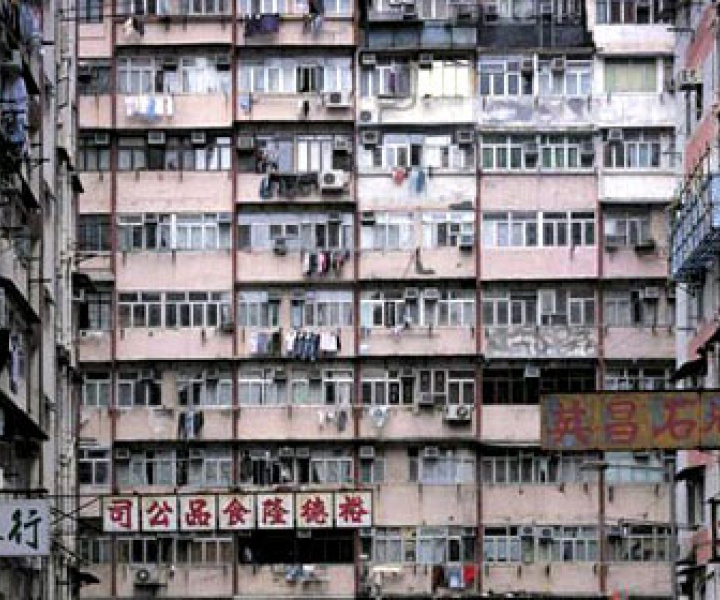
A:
[361, 240]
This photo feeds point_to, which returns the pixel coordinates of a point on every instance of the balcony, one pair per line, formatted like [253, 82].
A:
[295, 423]
[379, 190]
[94, 112]
[94, 346]
[414, 422]
[695, 230]
[210, 580]
[186, 270]
[173, 110]
[393, 30]
[643, 39]
[172, 344]
[297, 30]
[413, 110]
[540, 341]
[399, 504]
[416, 581]
[650, 578]
[638, 502]
[96, 198]
[310, 107]
[510, 423]
[450, 263]
[157, 191]
[95, 424]
[418, 340]
[95, 39]
[163, 422]
[570, 579]
[547, 503]
[506, 33]
[640, 342]
[553, 112]
[275, 581]
[260, 266]
[262, 343]
[628, 262]
[632, 187]
[334, 186]
[569, 262]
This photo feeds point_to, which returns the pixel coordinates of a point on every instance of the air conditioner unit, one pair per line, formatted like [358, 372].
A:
[651, 293]
[279, 375]
[280, 247]
[532, 372]
[337, 100]
[431, 452]
[587, 148]
[465, 137]
[688, 79]
[222, 62]
[531, 149]
[13, 62]
[545, 533]
[526, 532]
[615, 134]
[466, 242]
[315, 375]
[212, 374]
[409, 11]
[196, 454]
[671, 293]
[147, 576]
[286, 452]
[169, 63]
[407, 373]
[432, 294]
[156, 138]
[366, 452]
[367, 217]
[102, 139]
[426, 399]
[332, 181]
[490, 11]
[302, 452]
[425, 60]
[78, 295]
[121, 454]
[368, 59]
[245, 142]
[198, 138]
[148, 375]
[458, 413]
[546, 8]
[370, 138]
[342, 143]
[334, 217]
[527, 65]
[411, 294]
[557, 64]
[613, 532]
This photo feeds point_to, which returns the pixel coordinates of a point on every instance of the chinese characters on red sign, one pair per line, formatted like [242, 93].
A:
[210, 512]
[631, 420]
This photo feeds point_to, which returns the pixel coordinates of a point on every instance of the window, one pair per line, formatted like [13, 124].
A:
[210, 468]
[502, 152]
[631, 75]
[177, 154]
[301, 232]
[95, 313]
[94, 76]
[93, 153]
[262, 7]
[573, 81]
[388, 387]
[533, 467]
[390, 231]
[637, 378]
[94, 233]
[196, 309]
[149, 467]
[636, 12]
[440, 545]
[372, 470]
[513, 229]
[93, 466]
[511, 386]
[295, 76]
[568, 544]
[627, 229]
[90, 11]
[204, 387]
[565, 152]
[145, 550]
[191, 75]
[503, 77]
[387, 546]
[641, 543]
[338, 387]
[389, 79]
[94, 550]
[434, 466]
[417, 150]
[140, 309]
[258, 309]
[330, 466]
[139, 75]
[210, 231]
[259, 388]
[322, 309]
[149, 231]
[441, 230]
[501, 544]
[447, 387]
[618, 308]
[638, 149]
[96, 390]
[138, 389]
[447, 308]
[445, 79]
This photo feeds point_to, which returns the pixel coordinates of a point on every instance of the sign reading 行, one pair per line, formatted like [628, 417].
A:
[227, 512]
[24, 529]
[671, 420]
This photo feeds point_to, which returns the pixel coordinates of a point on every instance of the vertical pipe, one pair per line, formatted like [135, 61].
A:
[602, 576]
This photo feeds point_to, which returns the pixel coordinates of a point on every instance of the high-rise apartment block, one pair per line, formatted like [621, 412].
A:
[334, 252]
[38, 379]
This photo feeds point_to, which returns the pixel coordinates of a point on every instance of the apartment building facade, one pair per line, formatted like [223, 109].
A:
[693, 266]
[38, 375]
[337, 252]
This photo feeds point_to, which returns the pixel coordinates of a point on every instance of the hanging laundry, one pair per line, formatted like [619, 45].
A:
[399, 175]
[290, 338]
[306, 263]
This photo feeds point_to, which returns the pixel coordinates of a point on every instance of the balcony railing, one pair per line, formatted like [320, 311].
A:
[695, 235]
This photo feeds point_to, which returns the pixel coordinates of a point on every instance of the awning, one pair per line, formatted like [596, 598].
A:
[691, 368]
[19, 300]
[17, 423]
[714, 338]
[689, 472]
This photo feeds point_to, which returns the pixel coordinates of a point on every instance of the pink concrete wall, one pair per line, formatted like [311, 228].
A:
[568, 504]
[409, 504]
[182, 270]
[649, 579]
[543, 578]
[12, 269]
[157, 191]
[638, 502]
[406, 422]
[379, 191]
[266, 582]
[96, 198]
[512, 424]
[639, 342]
[538, 192]
[419, 340]
[525, 263]
[248, 186]
[94, 39]
[391, 264]
[286, 107]
[95, 424]
[189, 110]
[292, 423]
[94, 346]
[335, 31]
[173, 344]
[94, 112]
[200, 31]
[143, 424]
[265, 265]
